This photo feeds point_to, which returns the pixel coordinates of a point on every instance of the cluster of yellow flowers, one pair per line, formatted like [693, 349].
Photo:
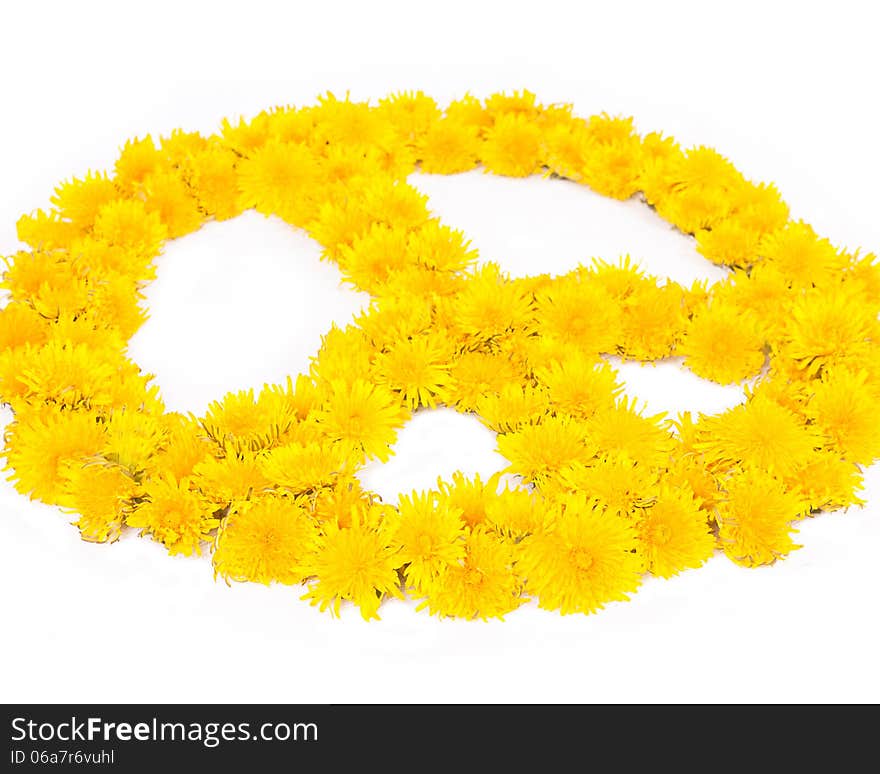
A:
[597, 495]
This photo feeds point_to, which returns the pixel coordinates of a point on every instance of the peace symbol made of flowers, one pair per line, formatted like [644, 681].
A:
[597, 495]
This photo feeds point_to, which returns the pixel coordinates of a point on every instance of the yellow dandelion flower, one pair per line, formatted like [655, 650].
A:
[241, 422]
[46, 230]
[174, 515]
[410, 113]
[115, 300]
[567, 148]
[346, 123]
[539, 451]
[40, 447]
[185, 446]
[652, 322]
[374, 255]
[759, 433]
[830, 328]
[79, 200]
[103, 259]
[580, 385]
[723, 344]
[67, 375]
[171, 198]
[390, 320]
[490, 305]
[102, 496]
[519, 103]
[133, 438]
[729, 243]
[280, 179]
[469, 111]
[213, 180]
[303, 467]
[449, 146]
[483, 585]
[440, 248]
[338, 224]
[694, 209]
[516, 513]
[846, 408]
[801, 256]
[623, 429]
[337, 503]
[137, 159]
[690, 472]
[512, 147]
[27, 272]
[759, 206]
[512, 407]
[826, 482]
[396, 204]
[20, 325]
[761, 293]
[362, 416]
[618, 483]
[417, 369]
[579, 314]
[585, 560]
[179, 147]
[755, 518]
[265, 540]
[343, 352]
[470, 497]
[475, 374]
[126, 223]
[428, 537]
[235, 477]
[674, 533]
[245, 137]
[354, 564]
[614, 169]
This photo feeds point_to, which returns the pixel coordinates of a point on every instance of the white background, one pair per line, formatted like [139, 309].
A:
[783, 90]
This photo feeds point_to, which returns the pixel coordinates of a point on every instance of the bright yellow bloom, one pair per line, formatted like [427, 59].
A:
[755, 518]
[483, 585]
[759, 433]
[303, 467]
[355, 564]
[618, 483]
[417, 369]
[512, 147]
[674, 533]
[235, 477]
[266, 540]
[102, 495]
[580, 385]
[80, 200]
[723, 344]
[39, 448]
[511, 408]
[846, 407]
[623, 429]
[242, 422]
[428, 537]
[449, 146]
[174, 515]
[364, 417]
[539, 451]
[280, 178]
[583, 561]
